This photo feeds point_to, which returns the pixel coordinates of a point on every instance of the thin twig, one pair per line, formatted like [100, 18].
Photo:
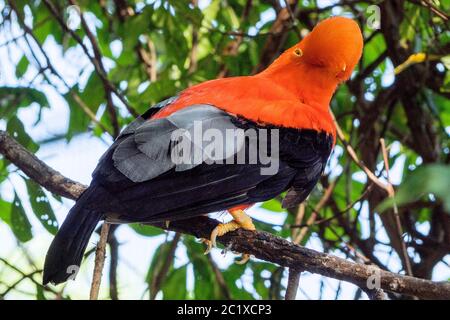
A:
[24, 276]
[233, 46]
[100, 254]
[94, 61]
[357, 254]
[148, 59]
[398, 224]
[302, 232]
[288, 4]
[106, 84]
[114, 261]
[336, 215]
[358, 162]
[157, 280]
[298, 219]
[432, 7]
[293, 283]
[219, 278]
[294, 275]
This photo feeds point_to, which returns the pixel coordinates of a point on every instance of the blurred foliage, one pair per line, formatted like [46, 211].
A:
[153, 49]
[430, 180]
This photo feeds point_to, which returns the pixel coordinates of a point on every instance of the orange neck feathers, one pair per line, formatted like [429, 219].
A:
[296, 89]
[308, 83]
[260, 99]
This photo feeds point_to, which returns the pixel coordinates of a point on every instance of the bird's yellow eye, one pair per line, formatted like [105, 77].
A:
[298, 52]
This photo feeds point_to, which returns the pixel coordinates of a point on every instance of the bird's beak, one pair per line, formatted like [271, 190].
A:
[342, 72]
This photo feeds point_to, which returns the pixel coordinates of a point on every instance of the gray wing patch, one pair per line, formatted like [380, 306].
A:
[128, 130]
[146, 153]
[180, 141]
[154, 137]
[207, 133]
[131, 128]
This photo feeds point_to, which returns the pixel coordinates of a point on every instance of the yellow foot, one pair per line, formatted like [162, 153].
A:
[244, 259]
[208, 245]
[240, 220]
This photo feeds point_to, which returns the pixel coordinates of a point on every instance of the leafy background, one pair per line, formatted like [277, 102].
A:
[67, 86]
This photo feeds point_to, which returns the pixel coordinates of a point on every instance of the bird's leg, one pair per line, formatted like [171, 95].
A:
[240, 220]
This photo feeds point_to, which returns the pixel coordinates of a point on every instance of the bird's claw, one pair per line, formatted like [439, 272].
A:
[241, 220]
[218, 231]
[244, 259]
[208, 245]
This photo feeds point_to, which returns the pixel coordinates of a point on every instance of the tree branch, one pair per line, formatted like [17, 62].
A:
[37, 170]
[260, 244]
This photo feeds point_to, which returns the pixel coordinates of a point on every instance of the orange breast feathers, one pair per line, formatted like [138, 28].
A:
[255, 98]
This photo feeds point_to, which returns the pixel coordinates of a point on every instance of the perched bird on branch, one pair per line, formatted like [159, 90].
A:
[159, 169]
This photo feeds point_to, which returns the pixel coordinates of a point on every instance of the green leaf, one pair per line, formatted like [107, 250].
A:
[205, 283]
[158, 260]
[3, 170]
[211, 11]
[19, 222]
[13, 98]
[446, 61]
[429, 179]
[145, 230]
[231, 275]
[93, 93]
[273, 205]
[78, 120]
[41, 206]
[193, 15]
[174, 287]
[16, 129]
[40, 292]
[5, 212]
[22, 67]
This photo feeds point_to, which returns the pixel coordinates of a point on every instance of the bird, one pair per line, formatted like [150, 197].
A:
[138, 180]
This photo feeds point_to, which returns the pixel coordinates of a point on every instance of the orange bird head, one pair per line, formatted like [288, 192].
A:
[332, 48]
[313, 68]
[335, 45]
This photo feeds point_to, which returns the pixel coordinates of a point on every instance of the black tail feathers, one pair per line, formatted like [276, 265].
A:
[66, 251]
